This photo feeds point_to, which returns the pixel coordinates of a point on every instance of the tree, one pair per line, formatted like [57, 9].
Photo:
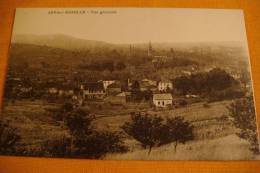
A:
[120, 66]
[135, 86]
[61, 113]
[85, 141]
[243, 117]
[145, 129]
[151, 131]
[98, 143]
[136, 92]
[183, 84]
[205, 83]
[78, 122]
[8, 138]
[59, 147]
[179, 131]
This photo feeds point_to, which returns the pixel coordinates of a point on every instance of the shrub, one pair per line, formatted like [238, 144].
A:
[61, 112]
[78, 122]
[243, 117]
[8, 138]
[84, 141]
[60, 147]
[98, 144]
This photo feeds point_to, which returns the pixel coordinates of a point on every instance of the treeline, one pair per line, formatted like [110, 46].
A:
[104, 65]
[216, 83]
[175, 62]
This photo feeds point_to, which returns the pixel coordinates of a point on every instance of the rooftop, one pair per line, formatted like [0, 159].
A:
[164, 96]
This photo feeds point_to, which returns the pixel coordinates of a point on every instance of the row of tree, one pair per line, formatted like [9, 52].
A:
[104, 65]
[151, 131]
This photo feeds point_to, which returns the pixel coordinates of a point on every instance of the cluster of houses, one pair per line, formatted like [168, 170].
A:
[112, 91]
[117, 92]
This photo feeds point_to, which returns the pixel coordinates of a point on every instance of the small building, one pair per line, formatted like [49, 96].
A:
[165, 85]
[52, 90]
[150, 82]
[93, 91]
[147, 84]
[26, 89]
[162, 100]
[106, 83]
[114, 88]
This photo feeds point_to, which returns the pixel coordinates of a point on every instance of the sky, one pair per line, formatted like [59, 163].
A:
[134, 25]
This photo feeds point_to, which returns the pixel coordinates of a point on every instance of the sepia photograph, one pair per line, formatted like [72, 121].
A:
[129, 84]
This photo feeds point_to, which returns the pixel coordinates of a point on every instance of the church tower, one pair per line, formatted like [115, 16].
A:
[150, 50]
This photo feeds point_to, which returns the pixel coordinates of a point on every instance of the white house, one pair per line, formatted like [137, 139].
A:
[164, 85]
[162, 100]
[106, 83]
[93, 91]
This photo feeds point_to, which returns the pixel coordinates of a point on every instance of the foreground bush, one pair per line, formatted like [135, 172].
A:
[243, 117]
[8, 138]
[98, 144]
[84, 141]
[60, 147]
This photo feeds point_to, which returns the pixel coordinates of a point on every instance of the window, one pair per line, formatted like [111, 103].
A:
[158, 102]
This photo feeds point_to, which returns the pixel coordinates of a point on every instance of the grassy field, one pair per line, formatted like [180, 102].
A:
[32, 121]
[35, 125]
[225, 148]
[195, 113]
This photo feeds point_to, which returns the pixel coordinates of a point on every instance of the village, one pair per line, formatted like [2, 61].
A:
[160, 94]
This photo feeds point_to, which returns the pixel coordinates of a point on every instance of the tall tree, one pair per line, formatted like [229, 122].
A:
[146, 129]
[243, 117]
[179, 131]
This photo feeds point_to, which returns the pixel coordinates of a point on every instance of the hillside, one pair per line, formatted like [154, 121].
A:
[214, 149]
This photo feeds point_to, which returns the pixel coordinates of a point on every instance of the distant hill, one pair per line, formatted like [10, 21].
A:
[68, 42]
[76, 50]
[62, 41]
[36, 54]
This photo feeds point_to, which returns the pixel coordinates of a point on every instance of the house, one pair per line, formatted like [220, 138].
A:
[165, 85]
[162, 100]
[150, 82]
[26, 89]
[145, 87]
[93, 91]
[114, 88]
[52, 90]
[106, 83]
[147, 84]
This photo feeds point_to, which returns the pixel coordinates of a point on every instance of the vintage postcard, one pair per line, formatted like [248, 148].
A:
[129, 84]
